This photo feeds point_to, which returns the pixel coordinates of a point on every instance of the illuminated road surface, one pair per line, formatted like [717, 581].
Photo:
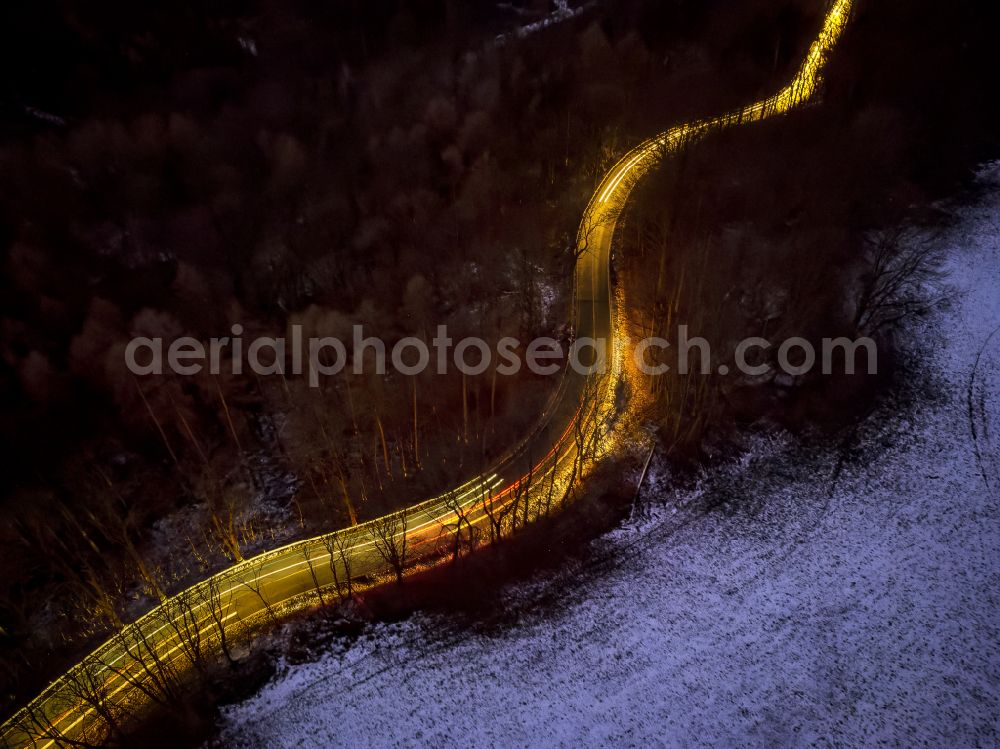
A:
[122, 674]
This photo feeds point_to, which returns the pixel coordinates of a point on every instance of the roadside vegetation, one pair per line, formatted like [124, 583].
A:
[170, 170]
[823, 224]
[403, 169]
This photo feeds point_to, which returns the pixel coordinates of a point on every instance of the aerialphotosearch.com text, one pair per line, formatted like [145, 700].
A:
[318, 357]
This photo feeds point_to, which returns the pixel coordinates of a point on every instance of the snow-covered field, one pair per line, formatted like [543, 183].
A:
[827, 603]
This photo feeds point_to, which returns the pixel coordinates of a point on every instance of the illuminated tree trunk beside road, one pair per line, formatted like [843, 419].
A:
[391, 543]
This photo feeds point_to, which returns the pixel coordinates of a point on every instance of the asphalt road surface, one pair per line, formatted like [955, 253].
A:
[135, 665]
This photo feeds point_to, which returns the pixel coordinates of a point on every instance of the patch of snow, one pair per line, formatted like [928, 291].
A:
[827, 599]
[44, 116]
[560, 13]
[548, 294]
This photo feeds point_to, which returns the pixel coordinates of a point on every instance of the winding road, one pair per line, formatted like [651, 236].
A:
[137, 664]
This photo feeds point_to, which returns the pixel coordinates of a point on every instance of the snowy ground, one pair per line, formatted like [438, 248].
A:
[827, 603]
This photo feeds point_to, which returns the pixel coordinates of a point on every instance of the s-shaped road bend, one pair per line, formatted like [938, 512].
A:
[120, 676]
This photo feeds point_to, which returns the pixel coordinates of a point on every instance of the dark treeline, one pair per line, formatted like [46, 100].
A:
[820, 224]
[173, 168]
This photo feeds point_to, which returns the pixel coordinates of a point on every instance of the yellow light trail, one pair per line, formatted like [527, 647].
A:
[801, 89]
[592, 290]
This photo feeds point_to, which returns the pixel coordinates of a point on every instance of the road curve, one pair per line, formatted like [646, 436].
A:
[133, 667]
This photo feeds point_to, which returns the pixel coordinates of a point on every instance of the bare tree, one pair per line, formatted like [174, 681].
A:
[519, 503]
[338, 545]
[89, 686]
[549, 487]
[216, 604]
[497, 514]
[312, 573]
[389, 535]
[460, 528]
[592, 222]
[181, 618]
[85, 695]
[143, 666]
[222, 508]
[36, 730]
[588, 430]
[104, 592]
[255, 585]
[115, 519]
[903, 278]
